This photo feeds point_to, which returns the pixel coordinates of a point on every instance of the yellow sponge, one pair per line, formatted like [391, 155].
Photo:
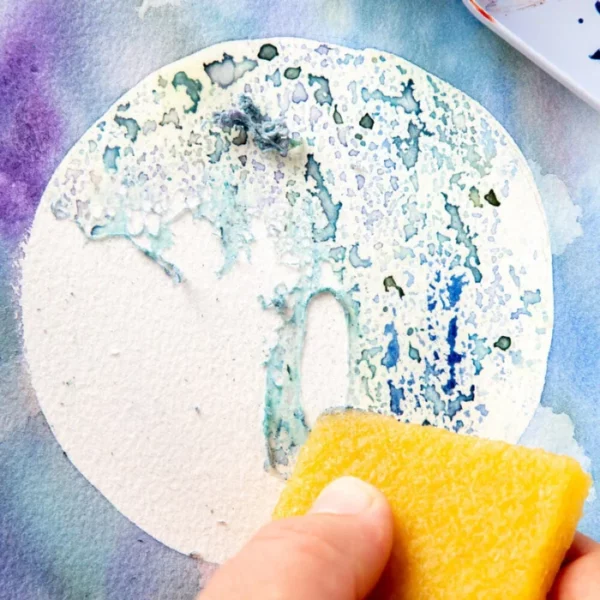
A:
[473, 518]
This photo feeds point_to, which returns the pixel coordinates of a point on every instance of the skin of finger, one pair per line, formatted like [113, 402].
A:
[581, 546]
[315, 557]
[579, 580]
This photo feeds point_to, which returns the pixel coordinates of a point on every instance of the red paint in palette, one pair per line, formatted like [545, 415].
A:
[482, 12]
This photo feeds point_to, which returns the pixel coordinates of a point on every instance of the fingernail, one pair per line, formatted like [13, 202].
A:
[345, 496]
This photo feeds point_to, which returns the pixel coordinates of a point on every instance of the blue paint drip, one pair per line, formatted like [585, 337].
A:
[396, 397]
[453, 357]
[392, 354]
[330, 208]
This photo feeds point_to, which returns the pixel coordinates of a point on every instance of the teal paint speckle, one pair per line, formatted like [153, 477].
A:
[110, 158]
[406, 101]
[322, 93]
[465, 238]
[414, 353]
[226, 72]
[338, 254]
[131, 126]
[330, 208]
[356, 261]
[193, 87]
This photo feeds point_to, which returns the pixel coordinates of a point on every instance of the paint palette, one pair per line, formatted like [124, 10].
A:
[560, 37]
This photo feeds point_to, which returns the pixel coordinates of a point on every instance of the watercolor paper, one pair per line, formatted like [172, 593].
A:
[183, 239]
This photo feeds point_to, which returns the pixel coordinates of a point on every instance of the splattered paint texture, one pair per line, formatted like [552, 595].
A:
[409, 213]
[88, 63]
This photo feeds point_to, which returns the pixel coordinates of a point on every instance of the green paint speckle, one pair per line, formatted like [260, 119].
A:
[367, 122]
[389, 283]
[491, 198]
[268, 52]
[503, 342]
[292, 72]
[337, 117]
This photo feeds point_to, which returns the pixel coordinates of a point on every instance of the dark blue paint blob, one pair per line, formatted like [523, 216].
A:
[396, 397]
[392, 354]
[597, 5]
[596, 55]
[455, 288]
[453, 357]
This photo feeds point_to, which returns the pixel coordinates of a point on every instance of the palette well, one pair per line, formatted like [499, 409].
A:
[560, 37]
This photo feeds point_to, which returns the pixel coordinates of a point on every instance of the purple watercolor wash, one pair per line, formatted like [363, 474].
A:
[30, 127]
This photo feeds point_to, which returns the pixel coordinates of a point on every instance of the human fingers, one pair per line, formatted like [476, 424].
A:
[336, 552]
[579, 579]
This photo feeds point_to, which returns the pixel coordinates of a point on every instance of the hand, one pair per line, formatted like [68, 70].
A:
[336, 552]
[339, 550]
[579, 577]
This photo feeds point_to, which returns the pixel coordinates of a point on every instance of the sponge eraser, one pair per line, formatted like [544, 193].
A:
[473, 518]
